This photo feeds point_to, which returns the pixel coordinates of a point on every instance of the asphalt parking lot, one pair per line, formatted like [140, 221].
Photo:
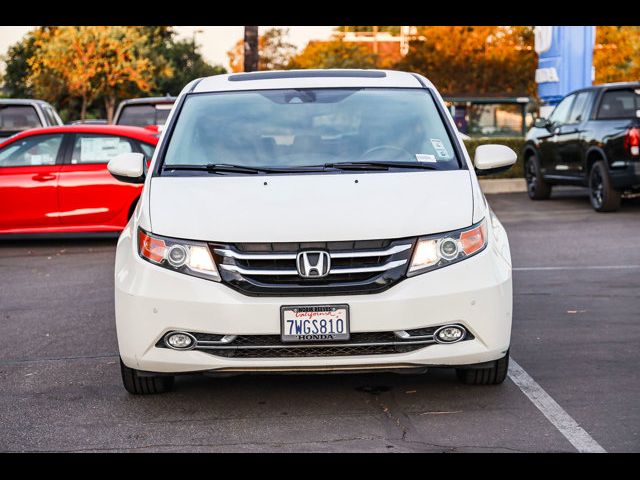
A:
[576, 332]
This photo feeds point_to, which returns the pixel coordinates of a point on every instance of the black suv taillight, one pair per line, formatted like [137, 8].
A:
[632, 141]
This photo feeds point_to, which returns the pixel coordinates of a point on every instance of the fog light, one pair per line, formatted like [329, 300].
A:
[177, 256]
[179, 340]
[449, 334]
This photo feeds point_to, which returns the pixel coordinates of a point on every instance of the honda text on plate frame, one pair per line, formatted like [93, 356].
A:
[311, 221]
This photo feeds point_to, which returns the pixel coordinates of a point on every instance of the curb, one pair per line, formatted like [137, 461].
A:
[503, 185]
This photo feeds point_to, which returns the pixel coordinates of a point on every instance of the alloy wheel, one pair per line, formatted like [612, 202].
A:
[597, 188]
[531, 177]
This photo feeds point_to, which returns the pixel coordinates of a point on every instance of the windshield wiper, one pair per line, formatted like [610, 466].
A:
[214, 168]
[230, 168]
[381, 165]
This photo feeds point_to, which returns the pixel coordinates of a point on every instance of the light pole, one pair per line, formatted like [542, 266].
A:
[195, 32]
[251, 48]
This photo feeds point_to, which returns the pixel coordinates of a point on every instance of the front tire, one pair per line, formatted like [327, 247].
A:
[604, 198]
[137, 384]
[493, 375]
[537, 188]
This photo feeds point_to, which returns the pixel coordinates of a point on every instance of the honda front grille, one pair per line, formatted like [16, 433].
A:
[314, 268]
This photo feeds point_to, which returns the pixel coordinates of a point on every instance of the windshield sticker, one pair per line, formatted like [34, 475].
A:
[426, 157]
[439, 147]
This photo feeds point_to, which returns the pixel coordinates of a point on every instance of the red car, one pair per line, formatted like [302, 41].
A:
[55, 179]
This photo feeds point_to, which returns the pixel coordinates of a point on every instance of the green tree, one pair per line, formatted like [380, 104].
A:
[334, 54]
[17, 70]
[187, 64]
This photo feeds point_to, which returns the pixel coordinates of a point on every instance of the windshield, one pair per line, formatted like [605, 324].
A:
[14, 118]
[310, 127]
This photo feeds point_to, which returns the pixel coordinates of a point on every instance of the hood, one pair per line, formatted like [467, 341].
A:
[310, 207]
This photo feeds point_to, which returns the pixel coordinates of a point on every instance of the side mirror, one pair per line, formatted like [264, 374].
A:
[541, 123]
[128, 167]
[490, 159]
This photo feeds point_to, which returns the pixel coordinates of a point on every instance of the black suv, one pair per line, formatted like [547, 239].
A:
[592, 139]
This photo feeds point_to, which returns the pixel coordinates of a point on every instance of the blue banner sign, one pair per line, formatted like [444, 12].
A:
[565, 60]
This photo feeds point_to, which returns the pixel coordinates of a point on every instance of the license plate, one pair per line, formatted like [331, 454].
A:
[314, 323]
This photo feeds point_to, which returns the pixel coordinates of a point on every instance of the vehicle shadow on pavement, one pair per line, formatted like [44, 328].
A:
[369, 383]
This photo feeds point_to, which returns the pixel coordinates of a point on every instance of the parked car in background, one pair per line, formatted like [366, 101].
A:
[144, 112]
[591, 139]
[312, 221]
[55, 179]
[17, 115]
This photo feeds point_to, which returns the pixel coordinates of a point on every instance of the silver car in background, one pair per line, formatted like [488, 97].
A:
[17, 115]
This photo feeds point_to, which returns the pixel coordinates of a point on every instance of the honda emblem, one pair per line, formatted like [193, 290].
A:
[313, 264]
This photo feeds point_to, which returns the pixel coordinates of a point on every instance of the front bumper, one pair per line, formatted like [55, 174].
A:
[151, 301]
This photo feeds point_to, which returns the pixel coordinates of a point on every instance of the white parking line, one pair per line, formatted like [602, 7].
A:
[560, 419]
[586, 267]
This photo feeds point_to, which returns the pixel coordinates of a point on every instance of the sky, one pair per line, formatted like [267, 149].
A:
[214, 41]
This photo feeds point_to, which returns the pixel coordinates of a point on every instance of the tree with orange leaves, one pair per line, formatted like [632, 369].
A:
[477, 60]
[616, 54]
[93, 62]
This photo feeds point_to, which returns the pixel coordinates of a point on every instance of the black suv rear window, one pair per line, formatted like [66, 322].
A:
[145, 114]
[619, 104]
[138, 115]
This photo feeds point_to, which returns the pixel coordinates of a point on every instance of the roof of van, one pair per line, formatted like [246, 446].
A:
[310, 79]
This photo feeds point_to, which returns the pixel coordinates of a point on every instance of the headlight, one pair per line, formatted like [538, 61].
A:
[191, 258]
[436, 251]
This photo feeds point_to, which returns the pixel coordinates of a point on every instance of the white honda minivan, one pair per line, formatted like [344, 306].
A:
[311, 221]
